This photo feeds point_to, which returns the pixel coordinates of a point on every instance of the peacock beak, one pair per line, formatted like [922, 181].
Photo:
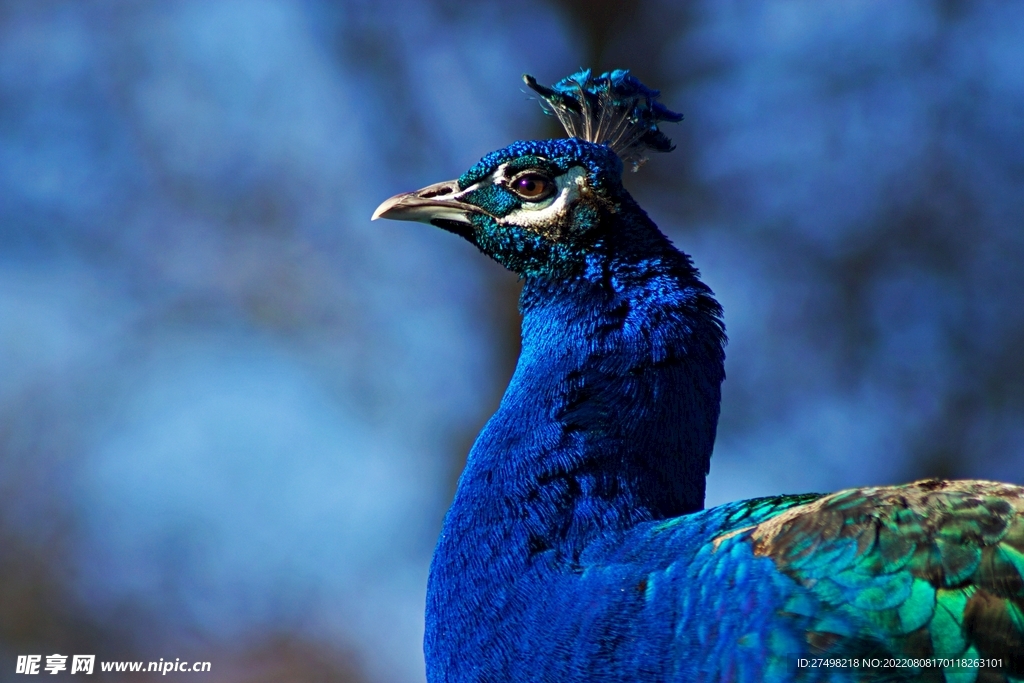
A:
[437, 204]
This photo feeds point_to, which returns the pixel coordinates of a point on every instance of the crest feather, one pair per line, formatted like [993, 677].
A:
[614, 108]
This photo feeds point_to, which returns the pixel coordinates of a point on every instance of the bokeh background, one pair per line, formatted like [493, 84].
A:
[232, 410]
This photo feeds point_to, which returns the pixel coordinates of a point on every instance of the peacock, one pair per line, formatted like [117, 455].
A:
[577, 547]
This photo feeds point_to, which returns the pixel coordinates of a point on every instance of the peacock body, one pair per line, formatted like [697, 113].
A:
[577, 547]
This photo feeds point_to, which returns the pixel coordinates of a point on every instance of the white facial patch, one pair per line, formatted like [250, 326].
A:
[544, 215]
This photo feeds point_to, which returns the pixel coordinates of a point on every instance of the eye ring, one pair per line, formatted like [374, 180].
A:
[532, 186]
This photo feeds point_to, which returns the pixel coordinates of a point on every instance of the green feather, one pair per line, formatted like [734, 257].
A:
[947, 627]
[875, 593]
[801, 603]
[919, 607]
[894, 549]
[958, 561]
[1016, 615]
[965, 674]
[1010, 554]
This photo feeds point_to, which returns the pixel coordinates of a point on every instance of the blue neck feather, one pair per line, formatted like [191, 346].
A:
[609, 421]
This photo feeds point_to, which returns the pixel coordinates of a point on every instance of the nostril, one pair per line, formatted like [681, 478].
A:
[438, 191]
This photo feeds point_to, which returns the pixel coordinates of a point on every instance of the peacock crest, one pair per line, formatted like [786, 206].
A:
[614, 108]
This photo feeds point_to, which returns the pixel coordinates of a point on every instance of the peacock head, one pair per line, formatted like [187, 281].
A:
[542, 206]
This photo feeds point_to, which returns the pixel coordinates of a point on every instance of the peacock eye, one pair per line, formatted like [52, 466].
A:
[533, 186]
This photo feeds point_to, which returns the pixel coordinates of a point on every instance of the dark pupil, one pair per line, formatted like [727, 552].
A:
[530, 186]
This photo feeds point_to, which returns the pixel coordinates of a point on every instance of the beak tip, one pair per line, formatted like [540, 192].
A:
[382, 210]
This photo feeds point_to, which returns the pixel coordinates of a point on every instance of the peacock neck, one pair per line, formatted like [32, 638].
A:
[610, 417]
[608, 421]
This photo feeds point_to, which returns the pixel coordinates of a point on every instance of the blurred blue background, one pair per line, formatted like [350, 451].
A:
[232, 410]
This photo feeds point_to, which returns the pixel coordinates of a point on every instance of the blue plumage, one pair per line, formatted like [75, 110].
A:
[577, 549]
